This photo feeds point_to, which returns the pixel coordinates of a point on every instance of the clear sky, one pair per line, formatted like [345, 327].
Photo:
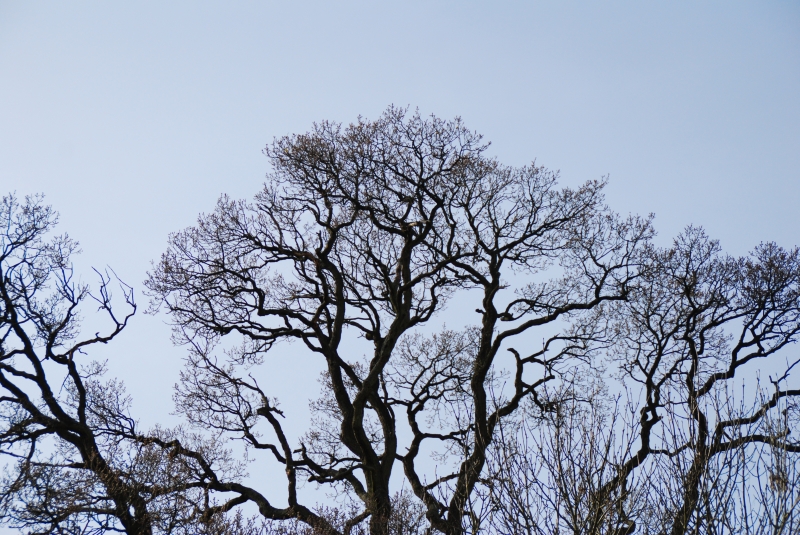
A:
[134, 117]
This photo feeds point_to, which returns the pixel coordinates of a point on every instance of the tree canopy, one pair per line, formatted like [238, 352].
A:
[596, 390]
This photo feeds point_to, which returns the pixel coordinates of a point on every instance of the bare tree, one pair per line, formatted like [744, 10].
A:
[77, 462]
[360, 235]
[699, 322]
[709, 448]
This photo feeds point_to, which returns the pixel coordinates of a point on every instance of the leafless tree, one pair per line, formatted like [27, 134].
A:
[361, 235]
[702, 320]
[76, 461]
[710, 448]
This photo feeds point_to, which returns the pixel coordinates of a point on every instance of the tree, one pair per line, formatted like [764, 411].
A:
[78, 462]
[687, 450]
[701, 319]
[360, 236]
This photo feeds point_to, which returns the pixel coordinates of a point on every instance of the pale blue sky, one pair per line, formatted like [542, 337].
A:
[132, 118]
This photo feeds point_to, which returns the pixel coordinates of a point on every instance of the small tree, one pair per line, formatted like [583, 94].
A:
[77, 461]
[360, 236]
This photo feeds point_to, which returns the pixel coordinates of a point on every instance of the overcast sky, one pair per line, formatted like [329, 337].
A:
[134, 117]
